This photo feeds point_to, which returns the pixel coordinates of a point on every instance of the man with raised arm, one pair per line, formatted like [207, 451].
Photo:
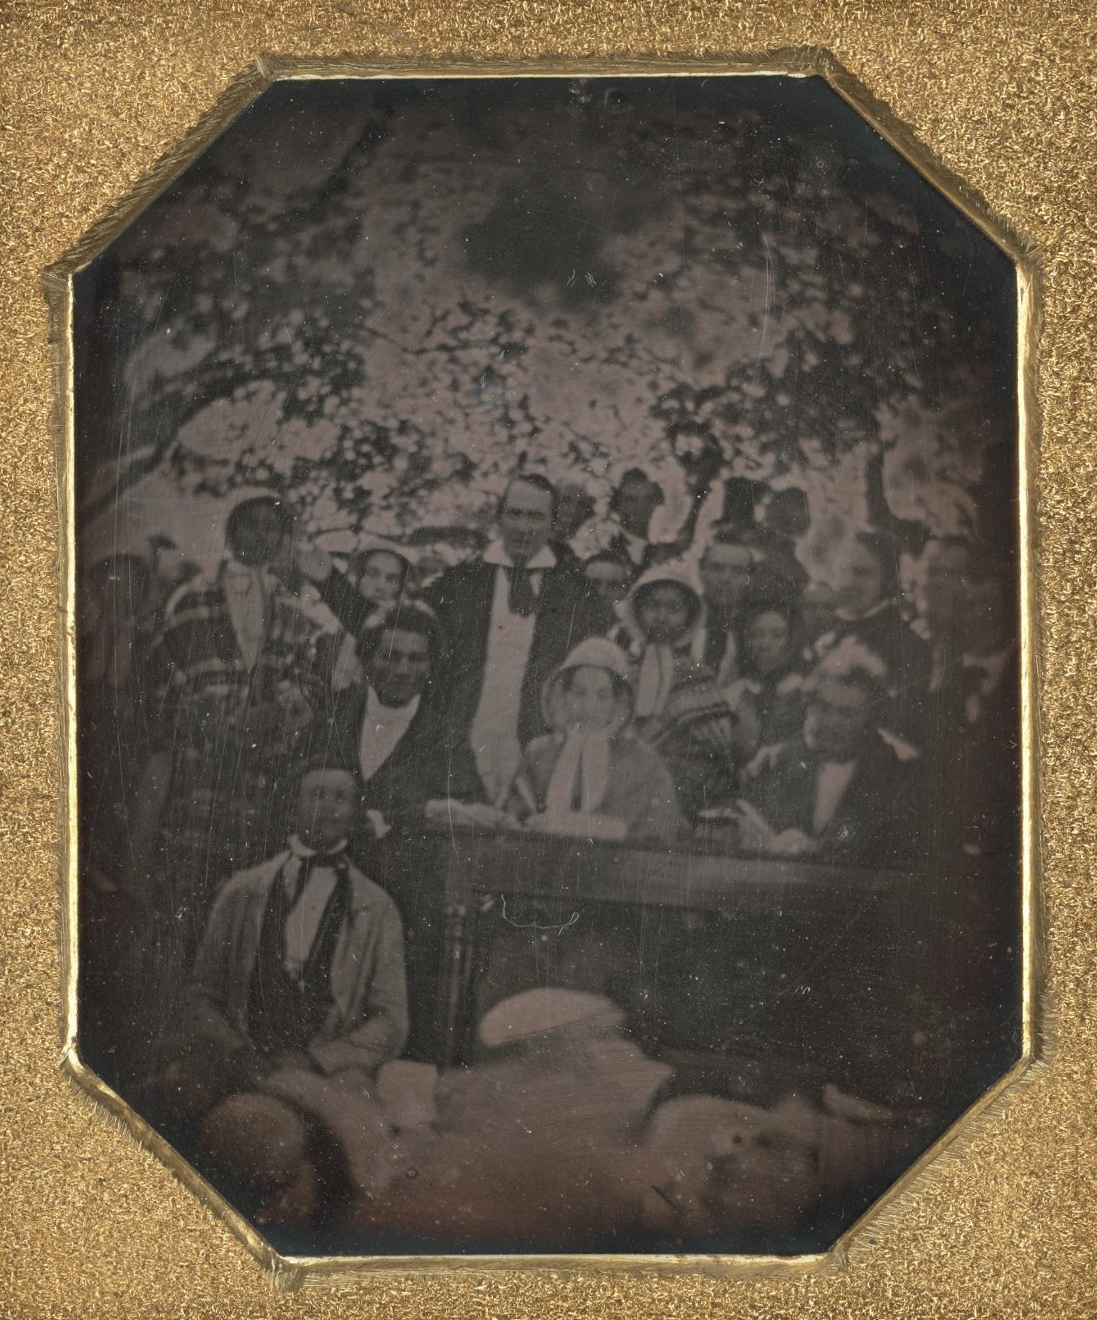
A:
[512, 616]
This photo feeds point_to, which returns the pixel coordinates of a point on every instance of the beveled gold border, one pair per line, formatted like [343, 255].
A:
[292, 1271]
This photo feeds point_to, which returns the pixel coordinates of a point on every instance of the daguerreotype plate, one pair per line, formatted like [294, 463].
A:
[548, 666]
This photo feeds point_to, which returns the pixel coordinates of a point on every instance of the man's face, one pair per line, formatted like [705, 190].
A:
[261, 538]
[635, 504]
[326, 808]
[663, 613]
[725, 573]
[400, 667]
[786, 515]
[837, 719]
[525, 520]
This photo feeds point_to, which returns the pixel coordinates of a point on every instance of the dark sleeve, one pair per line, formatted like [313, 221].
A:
[461, 779]
[346, 602]
[766, 794]
[592, 617]
[436, 763]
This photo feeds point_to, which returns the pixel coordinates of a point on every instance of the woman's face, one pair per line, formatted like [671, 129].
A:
[589, 701]
[860, 581]
[767, 641]
[663, 613]
[382, 577]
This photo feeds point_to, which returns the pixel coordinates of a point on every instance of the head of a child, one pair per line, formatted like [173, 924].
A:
[666, 611]
[328, 801]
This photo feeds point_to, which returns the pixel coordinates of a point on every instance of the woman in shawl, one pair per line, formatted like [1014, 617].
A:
[690, 721]
[592, 776]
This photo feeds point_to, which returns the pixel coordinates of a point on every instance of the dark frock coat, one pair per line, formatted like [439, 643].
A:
[876, 822]
[568, 610]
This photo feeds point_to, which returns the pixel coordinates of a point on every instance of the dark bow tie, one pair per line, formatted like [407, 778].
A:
[522, 599]
[319, 861]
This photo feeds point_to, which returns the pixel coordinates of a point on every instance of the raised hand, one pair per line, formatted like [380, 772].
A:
[311, 562]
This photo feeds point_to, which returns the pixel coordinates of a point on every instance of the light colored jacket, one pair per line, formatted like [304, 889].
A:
[368, 1020]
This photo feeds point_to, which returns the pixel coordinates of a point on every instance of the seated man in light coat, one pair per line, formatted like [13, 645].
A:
[301, 970]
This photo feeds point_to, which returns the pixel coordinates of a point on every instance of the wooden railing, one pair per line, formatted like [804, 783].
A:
[881, 980]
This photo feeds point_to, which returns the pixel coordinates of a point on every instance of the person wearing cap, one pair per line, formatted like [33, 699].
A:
[301, 968]
[592, 776]
[680, 709]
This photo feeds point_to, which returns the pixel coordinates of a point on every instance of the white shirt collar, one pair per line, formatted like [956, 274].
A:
[496, 555]
[303, 851]
[381, 715]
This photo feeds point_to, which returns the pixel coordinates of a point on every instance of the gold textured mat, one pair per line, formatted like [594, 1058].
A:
[92, 95]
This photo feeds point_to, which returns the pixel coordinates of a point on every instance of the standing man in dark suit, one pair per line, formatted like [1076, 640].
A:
[512, 616]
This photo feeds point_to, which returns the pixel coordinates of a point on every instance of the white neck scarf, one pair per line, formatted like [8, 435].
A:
[583, 767]
[247, 597]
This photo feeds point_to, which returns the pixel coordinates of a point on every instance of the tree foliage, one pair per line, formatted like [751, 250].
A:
[384, 328]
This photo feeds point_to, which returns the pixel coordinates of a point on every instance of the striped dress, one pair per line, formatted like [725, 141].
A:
[234, 732]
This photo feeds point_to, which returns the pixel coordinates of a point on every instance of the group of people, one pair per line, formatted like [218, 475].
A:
[664, 694]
